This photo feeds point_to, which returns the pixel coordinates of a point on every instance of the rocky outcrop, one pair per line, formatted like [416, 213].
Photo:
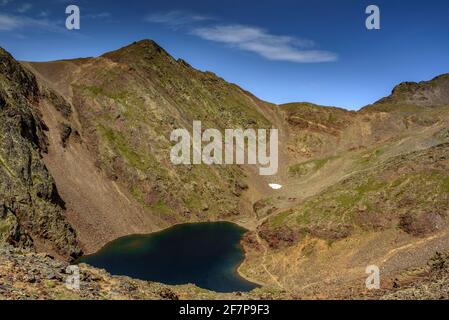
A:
[433, 93]
[32, 212]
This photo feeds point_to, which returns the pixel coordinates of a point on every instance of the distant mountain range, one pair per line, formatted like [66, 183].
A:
[85, 159]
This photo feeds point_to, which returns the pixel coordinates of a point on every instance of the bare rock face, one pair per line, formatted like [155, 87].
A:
[32, 213]
[431, 93]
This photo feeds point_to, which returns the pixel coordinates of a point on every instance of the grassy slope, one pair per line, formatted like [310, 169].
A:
[139, 99]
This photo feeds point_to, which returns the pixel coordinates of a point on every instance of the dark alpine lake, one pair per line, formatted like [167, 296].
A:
[204, 254]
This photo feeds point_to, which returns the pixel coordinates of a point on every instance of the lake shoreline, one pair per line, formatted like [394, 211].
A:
[229, 234]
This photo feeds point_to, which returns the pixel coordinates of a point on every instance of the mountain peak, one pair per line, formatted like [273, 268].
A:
[412, 87]
[143, 49]
[146, 44]
[432, 93]
[12, 70]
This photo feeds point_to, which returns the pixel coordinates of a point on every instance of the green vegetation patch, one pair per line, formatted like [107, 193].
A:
[118, 141]
[4, 227]
[308, 167]
[162, 207]
[7, 168]
[279, 219]
[370, 157]
[445, 184]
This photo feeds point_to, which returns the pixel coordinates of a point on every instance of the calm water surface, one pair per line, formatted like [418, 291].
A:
[205, 254]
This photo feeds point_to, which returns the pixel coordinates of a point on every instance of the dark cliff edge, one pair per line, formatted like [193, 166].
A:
[31, 210]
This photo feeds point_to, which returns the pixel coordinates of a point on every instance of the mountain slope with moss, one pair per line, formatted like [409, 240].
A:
[126, 104]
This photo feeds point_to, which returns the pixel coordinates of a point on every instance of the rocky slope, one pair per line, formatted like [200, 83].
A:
[359, 188]
[31, 210]
[371, 189]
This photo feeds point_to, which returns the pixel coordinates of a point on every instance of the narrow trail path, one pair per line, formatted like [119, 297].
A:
[264, 266]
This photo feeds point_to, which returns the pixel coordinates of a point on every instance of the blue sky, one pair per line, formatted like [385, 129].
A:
[283, 51]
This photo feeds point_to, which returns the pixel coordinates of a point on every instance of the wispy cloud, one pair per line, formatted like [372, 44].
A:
[24, 7]
[176, 19]
[247, 38]
[9, 22]
[44, 14]
[101, 15]
[261, 42]
[4, 2]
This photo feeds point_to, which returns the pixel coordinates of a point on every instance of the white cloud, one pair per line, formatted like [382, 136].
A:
[261, 42]
[4, 2]
[247, 38]
[176, 19]
[8, 23]
[101, 15]
[13, 22]
[44, 14]
[24, 7]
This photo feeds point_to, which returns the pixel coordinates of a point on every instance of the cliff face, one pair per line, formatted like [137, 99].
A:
[432, 93]
[31, 211]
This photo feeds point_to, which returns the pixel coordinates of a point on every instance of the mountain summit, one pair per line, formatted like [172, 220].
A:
[144, 49]
[431, 93]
